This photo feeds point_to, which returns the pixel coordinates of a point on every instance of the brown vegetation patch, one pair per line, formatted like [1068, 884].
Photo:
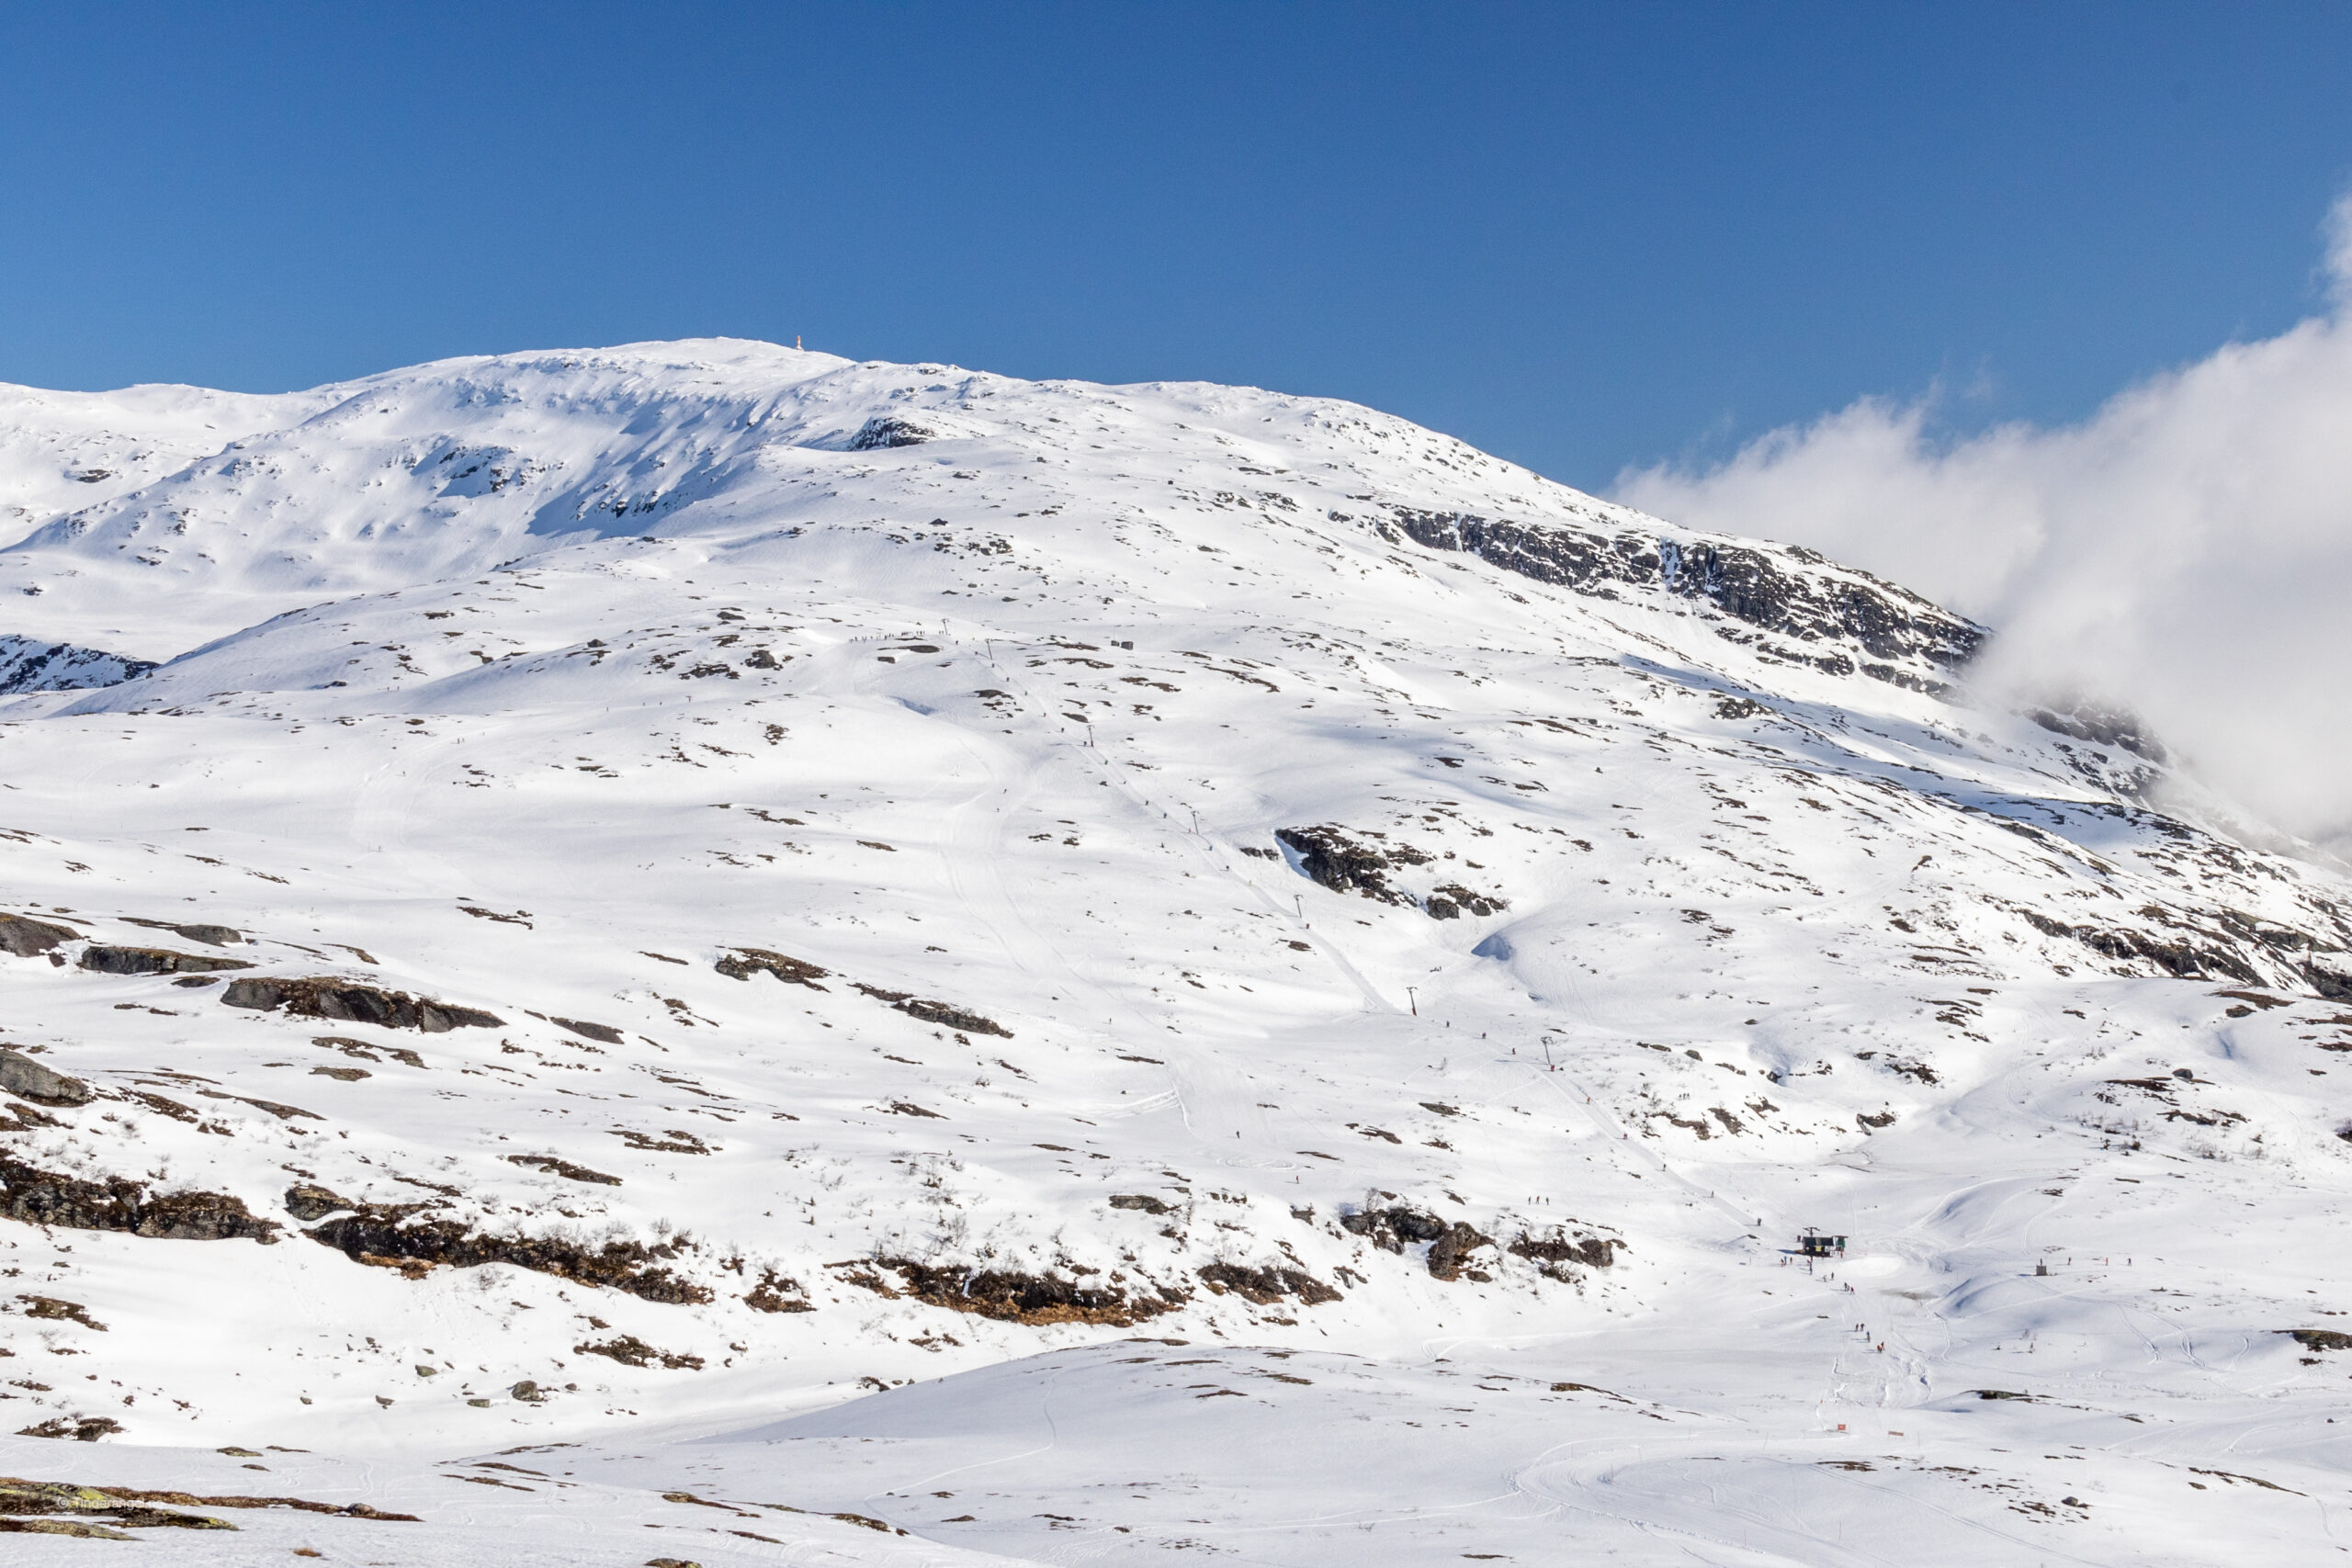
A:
[367, 1051]
[678, 1141]
[58, 1311]
[1143, 1202]
[776, 1294]
[81, 1428]
[631, 1351]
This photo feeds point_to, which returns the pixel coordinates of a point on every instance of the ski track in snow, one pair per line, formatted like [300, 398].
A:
[1641, 898]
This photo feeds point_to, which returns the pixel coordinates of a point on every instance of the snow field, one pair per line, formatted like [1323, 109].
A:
[543, 685]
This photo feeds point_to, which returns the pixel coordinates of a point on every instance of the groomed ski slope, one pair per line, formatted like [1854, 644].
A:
[1092, 973]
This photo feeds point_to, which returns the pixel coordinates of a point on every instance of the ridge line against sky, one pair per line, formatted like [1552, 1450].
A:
[1652, 244]
[1580, 237]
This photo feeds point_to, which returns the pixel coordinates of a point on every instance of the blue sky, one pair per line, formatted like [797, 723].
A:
[1584, 237]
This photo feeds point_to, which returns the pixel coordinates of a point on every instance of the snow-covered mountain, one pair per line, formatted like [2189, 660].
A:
[651, 892]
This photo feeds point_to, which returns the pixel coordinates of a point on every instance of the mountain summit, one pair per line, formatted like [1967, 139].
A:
[599, 895]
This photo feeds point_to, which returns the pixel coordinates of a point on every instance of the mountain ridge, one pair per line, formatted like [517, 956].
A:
[1055, 862]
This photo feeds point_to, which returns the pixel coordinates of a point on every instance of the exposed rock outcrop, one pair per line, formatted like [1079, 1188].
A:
[2101, 727]
[2177, 957]
[944, 1013]
[1450, 1254]
[40, 1497]
[45, 1197]
[563, 1168]
[1558, 1252]
[1344, 861]
[2330, 975]
[308, 1202]
[742, 963]
[153, 960]
[351, 1002]
[1794, 593]
[30, 665]
[21, 1075]
[1266, 1286]
[82, 1430]
[391, 1237]
[218, 936]
[1452, 900]
[776, 1294]
[1010, 1296]
[890, 430]
[28, 938]
[1353, 860]
[1395, 1228]
[1143, 1202]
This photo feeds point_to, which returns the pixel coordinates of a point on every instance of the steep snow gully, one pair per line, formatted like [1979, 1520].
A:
[763, 959]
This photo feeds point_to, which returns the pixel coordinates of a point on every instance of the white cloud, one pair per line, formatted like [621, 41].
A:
[2186, 552]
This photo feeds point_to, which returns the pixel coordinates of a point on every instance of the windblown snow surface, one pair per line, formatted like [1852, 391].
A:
[762, 959]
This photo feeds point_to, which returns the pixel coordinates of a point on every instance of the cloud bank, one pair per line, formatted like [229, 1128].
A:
[2185, 553]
